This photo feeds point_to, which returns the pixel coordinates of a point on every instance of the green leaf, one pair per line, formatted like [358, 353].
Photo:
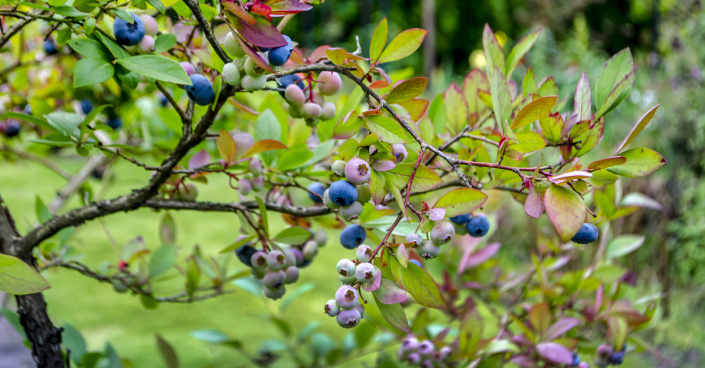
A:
[364, 333]
[501, 99]
[293, 159]
[624, 244]
[148, 302]
[456, 109]
[551, 127]
[73, 341]
[268, 127]
[347, 127]
[540, 317]
[293, 236]
[92, 115]
[638, 128]
[114, 48]
[348, 149]
[493, 53]
[42, 211]
[66, 123]
[387, 129]
[123, 14]
[403, 45]
[528, 142]
[379, 39]
[293, 295]
[548, 88]
[70, 11]
[612, 73]
[618, 94]
[424, 179]
[89, 26]
[28, 118]
[472, 84]
[394, 314]
[640, 162]
[418, 283]
[565, 209]
[263, 214]
[193, 276]
[19, 278]
[161, 261]
[128, 78]
[535, 110]
[167, 351]
[519, 50]
[91, 71]
[164, 42]
[157, 67]
[461, 201]
[583, 98]
[90, 48]
[437, 114]
[528, 85]
[406, 90]
[157, 4]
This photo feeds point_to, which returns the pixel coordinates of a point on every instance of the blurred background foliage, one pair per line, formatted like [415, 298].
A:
[666, 38]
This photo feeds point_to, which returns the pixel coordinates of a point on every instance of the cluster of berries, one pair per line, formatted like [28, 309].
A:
[607, 356]
[113, 121]
[276, 268]
[346, 307]
[256, 181]
[475, 226]
[305, 102]
[139, 33]
[577, 363]
[423, 353]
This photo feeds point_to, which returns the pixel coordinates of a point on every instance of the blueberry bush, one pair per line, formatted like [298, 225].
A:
[192, 91]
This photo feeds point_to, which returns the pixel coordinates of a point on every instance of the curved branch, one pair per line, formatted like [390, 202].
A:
[206, 28]
[171, 204]
[15, 28]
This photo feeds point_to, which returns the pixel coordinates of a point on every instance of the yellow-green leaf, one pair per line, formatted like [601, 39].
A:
[640, 162]
[638, 128]
[403, 45]
[461, 201]
[565, 209]
[535, 110]
[19, 278]
[406, 90]
[379, 39]
[226, 146]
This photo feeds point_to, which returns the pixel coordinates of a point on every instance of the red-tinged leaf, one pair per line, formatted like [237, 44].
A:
[552, 126]
[238, 12]
[265, 145]
[583, 98]
[347, 126]
[261, 33]
[394, 314]
[570, 176]
[559, 328]
[456, 109]
[520, 49]
[378, 84]
[242, 107]
[540, 317]
[591, 138]
[383, 165]
[379, 39]
[389, 292]
[226, 146]
[262, 10]
[407, 90]
[535, 110]
[523, 361]
[606, 162]
[436, 214]
[416, 108]
[319, 53]
[534, 206]
[252, 54]
[565, 209]
[283, 7]
[461, 201]
[624, 309]
[638, 128]
[403, 45]
[200, 159]
[640, 162]
[493, 51]
[472, 84]
[296, 57]
[554, 353]
[482, 255]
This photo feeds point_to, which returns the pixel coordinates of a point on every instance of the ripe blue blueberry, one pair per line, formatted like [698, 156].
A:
[352, 236]
[576, 359]
[342, 193]
[278, 56]
[163, 101]
[348, 318]
[11, 128]
[616, 358]
[588, 233]
[442, 233]
[200, 90]
[128, 34]
[86, 106]
[244, 254]
[114, 122]
[346, 297]
[365, 272]
[50, 47]
[478, 226]
[460, 219]
[317, 188]
[331, 308]
[290, 79]
[345, 267]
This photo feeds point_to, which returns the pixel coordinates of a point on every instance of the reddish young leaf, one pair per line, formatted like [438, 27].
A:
[265, 145]
[583, 98]
[254, 55]
[540, 317]
[456, 109]
[416, 108]
[379, 84]
[389, 292]
[283, 7]
[472, 84]
[493, 51]
[261, 33]
[559, 328]
[262, 10]
[238, 12]
[200, 159]
[482, 255]
[606, 162]
[534, 206]
[570, 176]
[565, 209]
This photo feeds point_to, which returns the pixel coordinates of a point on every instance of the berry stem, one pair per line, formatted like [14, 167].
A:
[389, 232]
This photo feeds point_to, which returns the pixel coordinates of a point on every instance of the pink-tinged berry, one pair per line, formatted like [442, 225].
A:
[414, 238]
[399, 151]
[292, 274]
[357, 171]
[274, 294]
[346, 297]
[188, 67]
[255, 166]
[294, 95]
[442, 233]
[348, 318]
[365, 272]
[276, 260]
[328, 111]
[259, 260]
[274, 279]
[329, 83]
[426, 349]
[345, 267]
[311, 110]
[363, 253]
[244, 186]
[427, 250]
[150, 25]
[331, 308]
[146, 45]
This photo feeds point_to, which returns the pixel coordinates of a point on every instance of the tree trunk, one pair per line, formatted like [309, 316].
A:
[32, 309]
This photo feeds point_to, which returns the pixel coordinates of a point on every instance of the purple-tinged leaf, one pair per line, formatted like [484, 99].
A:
[570, 176]
[583, 98]
[436, 214]
[559, 328]
[394, 314]
[493, 51]
[402, 256]
[638, 128]
[375, 283]
[554, 353]
[383, 165]
[456, 109]
[200, 159]
[389, 292]
[468, 244]
[534, 202]
[482, 255]
[262, 33]
[523, 361]
[252, 54]
[283, 7]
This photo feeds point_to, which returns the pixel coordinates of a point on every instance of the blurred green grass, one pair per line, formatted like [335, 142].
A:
[105, 316]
